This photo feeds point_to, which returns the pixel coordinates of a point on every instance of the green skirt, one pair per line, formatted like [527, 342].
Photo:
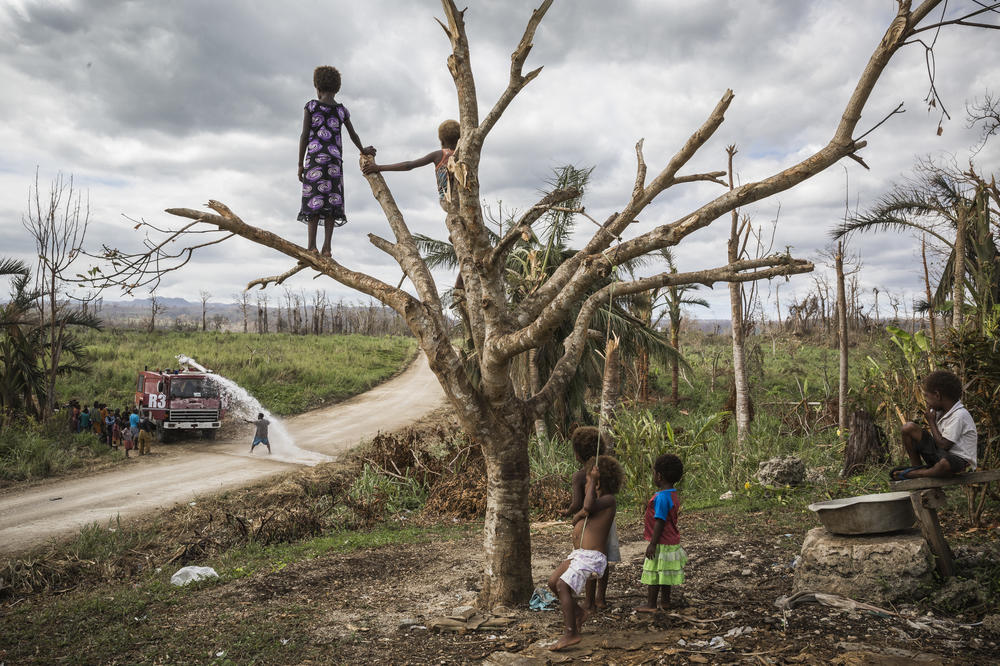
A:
[667, 568]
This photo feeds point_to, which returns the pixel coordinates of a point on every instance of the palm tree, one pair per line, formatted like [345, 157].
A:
[24, 343]
[529, 264]
[675, 300]
[959, 209]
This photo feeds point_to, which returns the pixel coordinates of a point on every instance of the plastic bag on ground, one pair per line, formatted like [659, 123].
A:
[191, 574]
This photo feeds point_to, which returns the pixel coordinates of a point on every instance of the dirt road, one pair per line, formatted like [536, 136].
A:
[180, 472]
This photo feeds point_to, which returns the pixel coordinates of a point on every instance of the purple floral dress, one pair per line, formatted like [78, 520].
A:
[323, 187]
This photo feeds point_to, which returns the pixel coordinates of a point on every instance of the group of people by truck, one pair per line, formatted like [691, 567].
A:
[119, 428]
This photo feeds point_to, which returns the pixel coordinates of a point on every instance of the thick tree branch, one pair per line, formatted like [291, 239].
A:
[640, 199]
[405, 250]
[572, 279]
[395, 298]
[517, 81]
[741, 271]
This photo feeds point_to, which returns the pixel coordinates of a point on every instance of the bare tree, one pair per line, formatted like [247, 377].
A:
[243, 301]
[842, 342]
[155, 307]
[204, 296]
[484, 402]
[57, 222]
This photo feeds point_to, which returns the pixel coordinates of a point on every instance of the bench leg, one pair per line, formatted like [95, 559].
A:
[925, 505]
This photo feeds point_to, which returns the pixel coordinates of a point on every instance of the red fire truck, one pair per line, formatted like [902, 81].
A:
[179, 401]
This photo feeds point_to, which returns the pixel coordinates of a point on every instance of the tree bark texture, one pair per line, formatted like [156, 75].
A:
[842, 342]
[927, 291]
[958, 283]
[506, 538]
[740, 381]
[611, 389]
[866, 446]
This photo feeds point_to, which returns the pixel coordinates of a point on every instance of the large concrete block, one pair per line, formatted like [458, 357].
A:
[876, 568]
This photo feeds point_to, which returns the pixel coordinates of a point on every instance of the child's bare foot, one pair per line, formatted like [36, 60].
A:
[565, 641]
[326, 253]
[645, 609]
[600, 603]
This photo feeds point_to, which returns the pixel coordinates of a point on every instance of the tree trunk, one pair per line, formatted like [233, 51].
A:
[535, 385]
[742, 385]
[610, 391]
[958, 281]
[642, 374]
[777, 305]
[506, 537]
[675, 342]
[866, 445]
[842, 343]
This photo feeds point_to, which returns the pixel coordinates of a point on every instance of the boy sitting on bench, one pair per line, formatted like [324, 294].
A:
[948, 446]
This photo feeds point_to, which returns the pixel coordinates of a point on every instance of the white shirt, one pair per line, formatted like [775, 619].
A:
[958, 427]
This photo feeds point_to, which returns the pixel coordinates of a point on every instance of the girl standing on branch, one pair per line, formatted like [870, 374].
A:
[321, 164]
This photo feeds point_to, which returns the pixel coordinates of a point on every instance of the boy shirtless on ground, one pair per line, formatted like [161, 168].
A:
[590, 537]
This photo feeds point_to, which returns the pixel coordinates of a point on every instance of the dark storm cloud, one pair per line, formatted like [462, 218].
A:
[157, 104]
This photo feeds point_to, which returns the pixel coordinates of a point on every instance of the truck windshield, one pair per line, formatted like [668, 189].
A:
[192, 388]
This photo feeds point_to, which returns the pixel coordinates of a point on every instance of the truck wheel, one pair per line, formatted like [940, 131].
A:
[163, 435]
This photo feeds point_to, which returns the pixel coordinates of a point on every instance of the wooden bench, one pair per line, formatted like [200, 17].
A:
[927, 497]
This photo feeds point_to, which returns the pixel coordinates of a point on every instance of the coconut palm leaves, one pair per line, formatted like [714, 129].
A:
[940, 202]
[529, 264]
[25, 348]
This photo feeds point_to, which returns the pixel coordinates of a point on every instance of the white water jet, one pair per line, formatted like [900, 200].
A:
[240, 403]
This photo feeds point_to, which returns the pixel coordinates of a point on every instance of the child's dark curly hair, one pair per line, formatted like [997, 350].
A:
[946, 383]
[610, 471]
[448, 133]
[585, 438]
[326, 79]
[669, 467]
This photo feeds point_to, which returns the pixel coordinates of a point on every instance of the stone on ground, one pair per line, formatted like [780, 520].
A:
[879, 568]
[782, 471]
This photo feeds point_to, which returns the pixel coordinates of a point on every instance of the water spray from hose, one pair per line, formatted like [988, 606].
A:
[242, 404]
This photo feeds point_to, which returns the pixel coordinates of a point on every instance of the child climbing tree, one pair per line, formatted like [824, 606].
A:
[485, 401]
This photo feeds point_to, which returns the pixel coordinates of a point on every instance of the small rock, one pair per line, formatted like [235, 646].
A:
[728, 495]
[462, 612]
[781, 471]
[717, 643]
[746, 572]
[959, 594]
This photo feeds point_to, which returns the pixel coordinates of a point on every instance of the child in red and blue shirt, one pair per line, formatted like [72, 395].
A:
[665, 558]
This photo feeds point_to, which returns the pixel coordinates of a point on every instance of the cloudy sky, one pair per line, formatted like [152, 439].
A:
[151, 105]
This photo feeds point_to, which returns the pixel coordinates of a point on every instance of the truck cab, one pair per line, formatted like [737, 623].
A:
[178, 401]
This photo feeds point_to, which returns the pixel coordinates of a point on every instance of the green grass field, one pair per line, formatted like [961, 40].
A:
[288, 373]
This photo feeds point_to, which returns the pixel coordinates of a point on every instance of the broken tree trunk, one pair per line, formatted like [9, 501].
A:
[866, 445]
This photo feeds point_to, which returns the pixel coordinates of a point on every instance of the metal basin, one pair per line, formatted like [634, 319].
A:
[866, 514]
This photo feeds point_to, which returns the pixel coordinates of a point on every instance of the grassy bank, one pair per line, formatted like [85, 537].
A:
[287, 373]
